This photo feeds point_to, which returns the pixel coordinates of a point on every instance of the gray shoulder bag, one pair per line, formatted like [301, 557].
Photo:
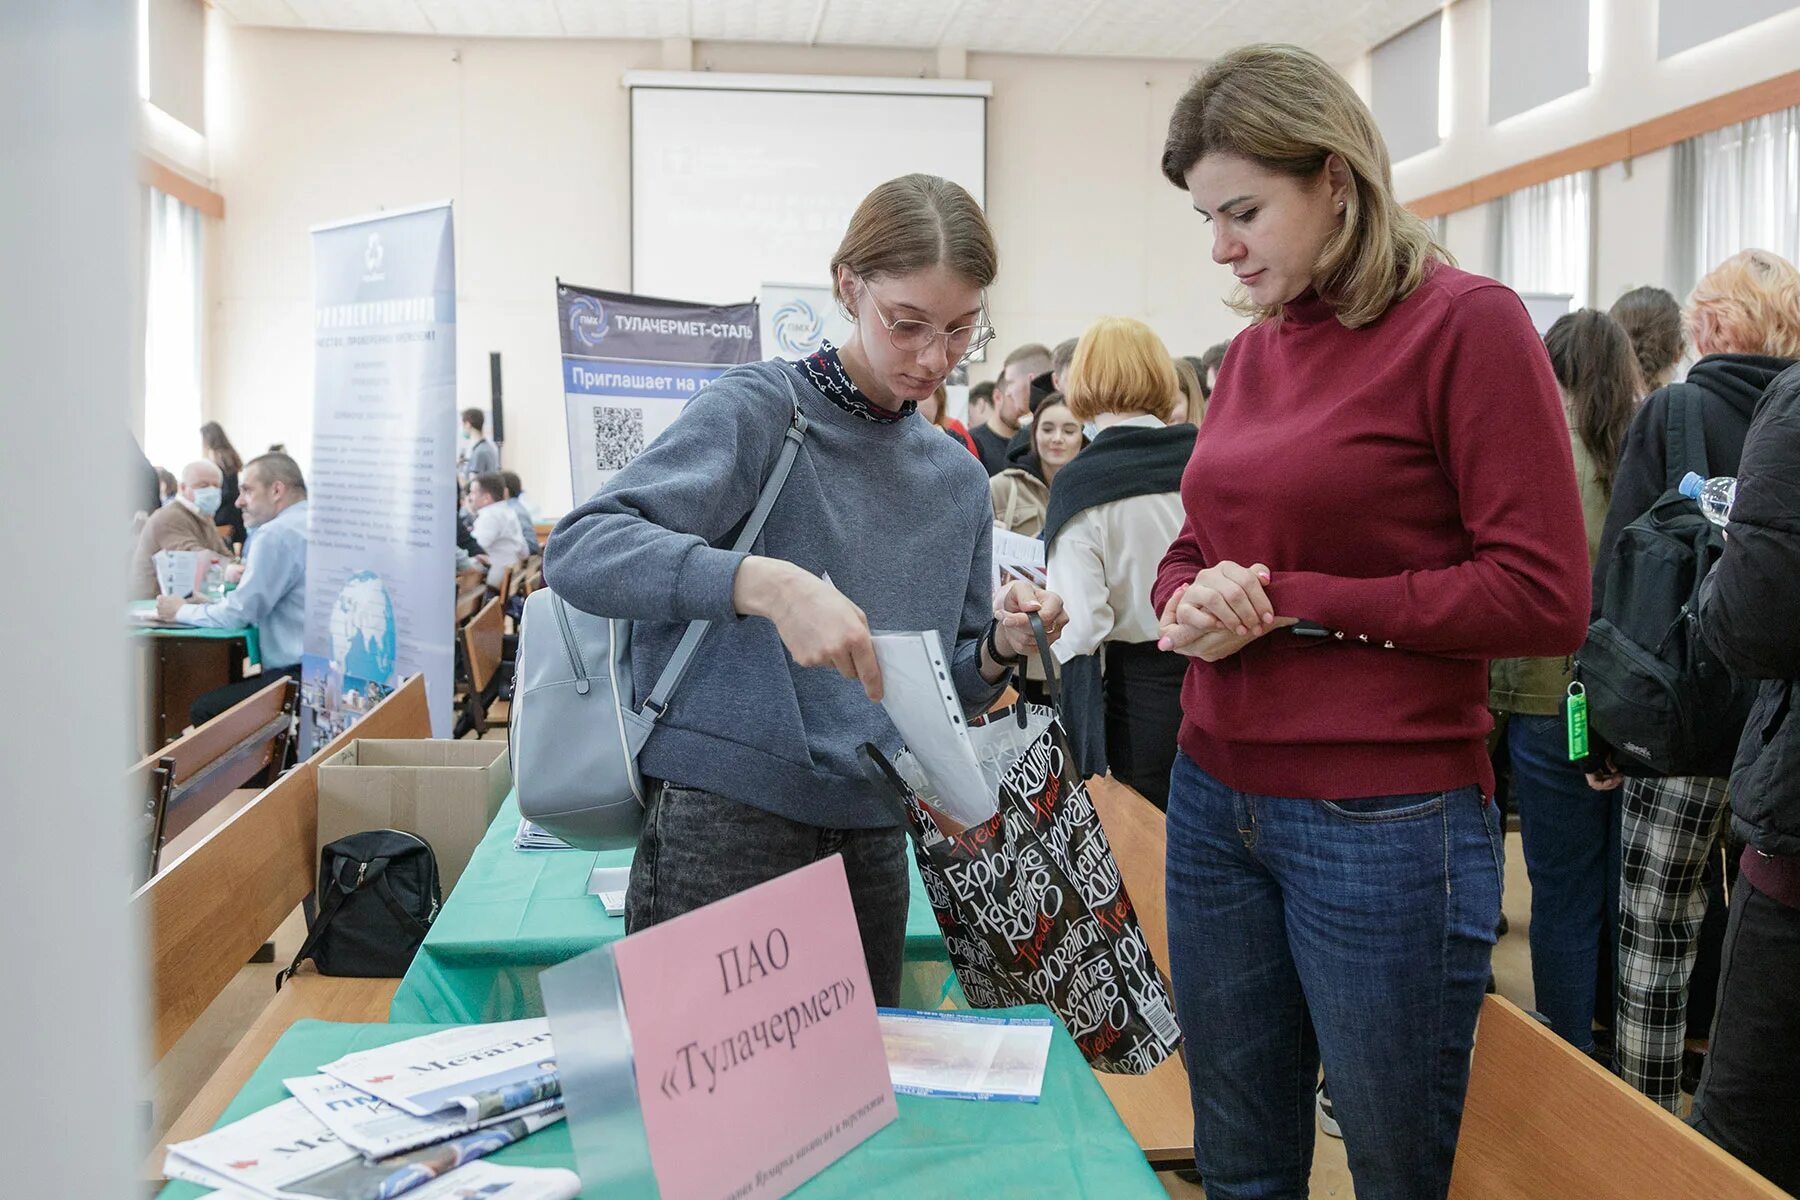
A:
[574, 729]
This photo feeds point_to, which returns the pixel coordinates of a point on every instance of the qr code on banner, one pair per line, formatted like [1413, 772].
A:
[618, 436]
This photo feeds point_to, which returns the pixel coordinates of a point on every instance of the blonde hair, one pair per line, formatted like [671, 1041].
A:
[914, 222]
[1121, 366]
[1748, 304]
[1286, 110]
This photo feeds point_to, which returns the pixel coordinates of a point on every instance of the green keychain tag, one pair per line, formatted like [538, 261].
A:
[1577, 722]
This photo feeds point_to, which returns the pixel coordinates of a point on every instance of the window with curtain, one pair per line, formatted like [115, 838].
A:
[1737, 188]
[171, 331]
[1543, 238]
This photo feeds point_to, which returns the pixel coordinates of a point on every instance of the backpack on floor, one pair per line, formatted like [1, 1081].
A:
[378, 895]
[1655, 692]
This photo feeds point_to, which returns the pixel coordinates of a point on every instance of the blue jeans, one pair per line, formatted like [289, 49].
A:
[1570, 834]
[1354, 932]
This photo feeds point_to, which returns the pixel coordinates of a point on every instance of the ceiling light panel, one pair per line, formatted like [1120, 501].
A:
[259, 12]
[388, 16]
[915, 24]
[788, 21]
[650, 19]
[493, 18]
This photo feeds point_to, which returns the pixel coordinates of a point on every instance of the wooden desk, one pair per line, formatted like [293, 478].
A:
[175, 665]
[177, 671]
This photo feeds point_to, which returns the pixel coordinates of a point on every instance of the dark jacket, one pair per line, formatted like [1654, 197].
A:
[145, 488]
[1750, 616]
[229, 513]
[990, 448]
[1733, 384]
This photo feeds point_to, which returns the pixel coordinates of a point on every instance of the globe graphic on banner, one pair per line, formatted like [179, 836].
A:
[362, 629]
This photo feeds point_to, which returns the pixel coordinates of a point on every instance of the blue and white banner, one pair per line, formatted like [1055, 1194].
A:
[631, 364]
[381, 556]
[797, 318]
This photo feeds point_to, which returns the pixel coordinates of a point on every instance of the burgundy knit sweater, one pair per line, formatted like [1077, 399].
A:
[1409, 482]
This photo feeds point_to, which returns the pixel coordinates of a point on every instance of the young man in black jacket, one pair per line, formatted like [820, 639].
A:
[1670, 825]
[1749, 1097]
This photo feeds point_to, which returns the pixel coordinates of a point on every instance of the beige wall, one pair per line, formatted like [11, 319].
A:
[530, 140]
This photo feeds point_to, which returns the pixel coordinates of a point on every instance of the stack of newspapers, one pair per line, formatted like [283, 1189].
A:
[532, 836]
[414, 1118]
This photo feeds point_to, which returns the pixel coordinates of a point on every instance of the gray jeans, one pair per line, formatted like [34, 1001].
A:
[698, 847]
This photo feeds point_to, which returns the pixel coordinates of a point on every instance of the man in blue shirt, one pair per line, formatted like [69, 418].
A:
[272, 593]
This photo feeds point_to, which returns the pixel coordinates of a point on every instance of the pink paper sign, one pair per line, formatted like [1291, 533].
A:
[754, 1038]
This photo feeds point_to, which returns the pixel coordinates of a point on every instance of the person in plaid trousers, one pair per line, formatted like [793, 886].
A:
[1744, 319]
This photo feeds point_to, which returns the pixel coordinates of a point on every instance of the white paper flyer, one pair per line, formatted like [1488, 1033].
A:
[953, 1054]
[484, 1181]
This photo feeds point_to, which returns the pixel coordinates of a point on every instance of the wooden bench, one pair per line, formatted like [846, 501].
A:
[1157, 1107]
[1542, 1119]
[479, 646]
[516, 577]
[468, 603]
[188, 783]
[208, 910]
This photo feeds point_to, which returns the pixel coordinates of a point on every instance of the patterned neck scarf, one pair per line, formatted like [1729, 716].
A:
[826, 371]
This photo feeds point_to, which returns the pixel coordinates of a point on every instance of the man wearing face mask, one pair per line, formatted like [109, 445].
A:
[184, 523]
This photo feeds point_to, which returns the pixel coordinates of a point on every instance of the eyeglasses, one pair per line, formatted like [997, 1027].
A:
[913, 337]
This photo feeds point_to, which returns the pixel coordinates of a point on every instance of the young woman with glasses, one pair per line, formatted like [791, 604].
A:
[884, 523]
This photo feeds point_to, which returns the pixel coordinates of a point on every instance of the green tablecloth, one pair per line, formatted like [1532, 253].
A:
[1071, 1143]
[252, 645]
[514, 913]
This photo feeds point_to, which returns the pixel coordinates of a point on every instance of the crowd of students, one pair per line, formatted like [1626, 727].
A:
[1303, 615]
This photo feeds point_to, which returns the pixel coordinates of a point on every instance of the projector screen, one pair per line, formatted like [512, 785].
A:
[748, 180]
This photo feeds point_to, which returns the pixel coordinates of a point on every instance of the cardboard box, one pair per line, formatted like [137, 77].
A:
[446, 791]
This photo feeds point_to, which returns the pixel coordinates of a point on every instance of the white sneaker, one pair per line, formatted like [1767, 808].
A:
[1327, 1118]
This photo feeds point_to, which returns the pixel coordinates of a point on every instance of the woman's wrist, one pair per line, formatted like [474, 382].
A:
[762, 586]
[990, 642]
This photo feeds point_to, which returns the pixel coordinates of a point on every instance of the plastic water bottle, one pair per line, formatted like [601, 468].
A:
[1714, 496]
[214, 585]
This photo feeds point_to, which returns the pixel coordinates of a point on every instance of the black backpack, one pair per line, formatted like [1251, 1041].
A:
[378, 894]
[1655, 693]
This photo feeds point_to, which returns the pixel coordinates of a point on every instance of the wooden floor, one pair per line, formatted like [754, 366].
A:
[179, 1076]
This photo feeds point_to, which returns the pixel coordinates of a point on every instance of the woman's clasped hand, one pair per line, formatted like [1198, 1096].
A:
[1221, 612]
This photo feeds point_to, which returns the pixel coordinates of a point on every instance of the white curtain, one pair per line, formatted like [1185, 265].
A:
[1543, 238]
[171, 331]
[1737, 188]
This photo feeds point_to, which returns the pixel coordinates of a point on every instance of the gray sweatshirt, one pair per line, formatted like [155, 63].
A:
[896, 514]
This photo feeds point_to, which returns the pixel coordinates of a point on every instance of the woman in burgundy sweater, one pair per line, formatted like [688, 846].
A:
[1385, 471]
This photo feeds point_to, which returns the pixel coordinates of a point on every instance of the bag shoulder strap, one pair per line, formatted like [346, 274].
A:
[1685, 447]
[658, 702]
[327, 910]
